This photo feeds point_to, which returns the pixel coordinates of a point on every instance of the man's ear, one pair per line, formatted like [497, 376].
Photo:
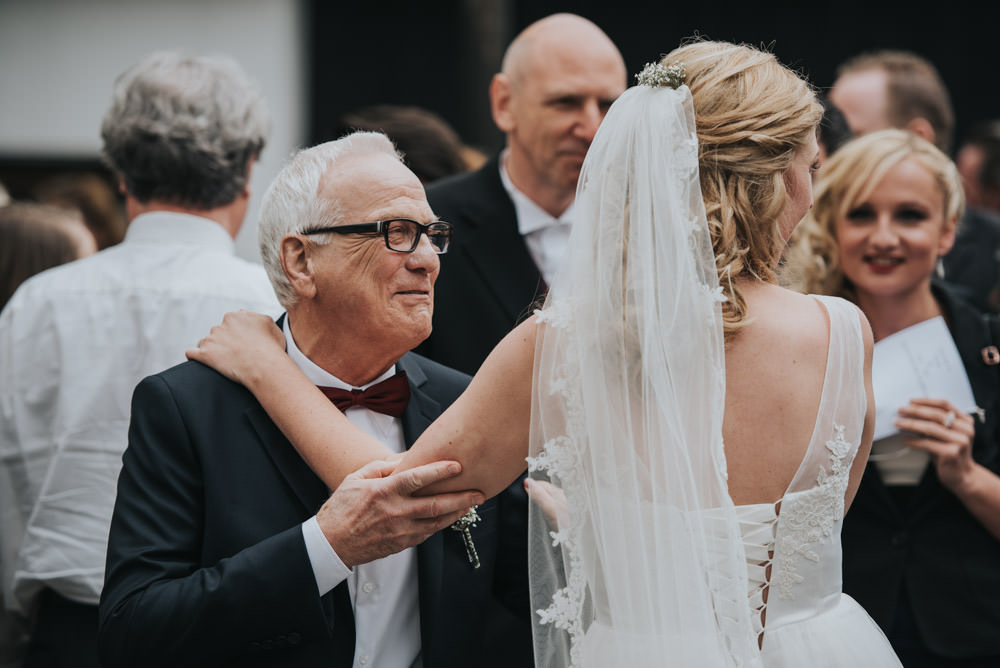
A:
[500, 102]
[246, 185]
[297, 263]
[922, 128]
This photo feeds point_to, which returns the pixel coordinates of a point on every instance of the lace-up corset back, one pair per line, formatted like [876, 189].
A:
[793, 546]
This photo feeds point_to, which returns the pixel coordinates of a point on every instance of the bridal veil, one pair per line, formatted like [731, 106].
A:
[640, 562]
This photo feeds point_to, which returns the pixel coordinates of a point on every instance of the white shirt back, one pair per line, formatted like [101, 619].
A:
[74, 342]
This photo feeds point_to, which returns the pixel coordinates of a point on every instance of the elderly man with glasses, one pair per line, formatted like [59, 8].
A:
[226, 549]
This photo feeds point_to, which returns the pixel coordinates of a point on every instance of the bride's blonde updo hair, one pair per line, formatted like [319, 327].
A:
[752, 113]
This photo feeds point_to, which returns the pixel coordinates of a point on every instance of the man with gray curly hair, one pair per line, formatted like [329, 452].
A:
[181, 134]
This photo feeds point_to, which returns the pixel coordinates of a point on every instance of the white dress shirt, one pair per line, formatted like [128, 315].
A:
[545, 236]
[383, 592]
[74, 342]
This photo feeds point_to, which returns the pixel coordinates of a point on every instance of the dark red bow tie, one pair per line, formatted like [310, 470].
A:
[389, 396]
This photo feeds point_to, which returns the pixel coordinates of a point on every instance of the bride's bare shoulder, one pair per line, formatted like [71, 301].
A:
[776, 311]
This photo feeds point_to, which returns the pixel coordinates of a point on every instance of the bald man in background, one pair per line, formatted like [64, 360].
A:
[512, 216]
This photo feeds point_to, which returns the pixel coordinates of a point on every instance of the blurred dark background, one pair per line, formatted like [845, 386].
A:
[441, 54]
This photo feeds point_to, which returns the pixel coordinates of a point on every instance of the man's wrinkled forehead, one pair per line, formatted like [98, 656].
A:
[374, 186]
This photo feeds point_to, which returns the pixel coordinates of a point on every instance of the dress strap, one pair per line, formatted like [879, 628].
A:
[843, 403]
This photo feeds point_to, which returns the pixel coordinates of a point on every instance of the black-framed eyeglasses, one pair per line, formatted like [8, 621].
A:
[401, 234]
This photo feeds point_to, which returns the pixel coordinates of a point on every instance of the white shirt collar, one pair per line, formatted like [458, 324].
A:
[530, 216]
[316, 374]
[170, 227]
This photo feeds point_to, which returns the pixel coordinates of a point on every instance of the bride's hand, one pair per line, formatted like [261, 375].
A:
[241, 347]
[548, 497]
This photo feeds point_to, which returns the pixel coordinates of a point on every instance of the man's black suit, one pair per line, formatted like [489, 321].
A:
[972, 266]
[932, 548]
[206, 560]
[488, 281]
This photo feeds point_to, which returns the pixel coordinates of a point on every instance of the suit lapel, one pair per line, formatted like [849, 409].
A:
[420, 412]
[304, 484]
[311, 492]
[496, 250]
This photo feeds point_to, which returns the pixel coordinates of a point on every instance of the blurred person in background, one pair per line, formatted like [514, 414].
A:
[834, 131]
[93, 197]
[512, 216]
[901, 89]
[35, 237]
[181, 135]
[431, 148]
[978, 160]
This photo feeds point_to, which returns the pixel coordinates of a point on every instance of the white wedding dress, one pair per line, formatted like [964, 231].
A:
[643, 560]
[793, 547]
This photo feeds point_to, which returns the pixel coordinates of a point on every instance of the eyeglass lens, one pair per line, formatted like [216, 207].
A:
[403, 235]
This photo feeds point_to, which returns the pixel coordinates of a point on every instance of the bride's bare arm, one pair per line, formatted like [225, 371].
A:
[250, 349]
[486, 429]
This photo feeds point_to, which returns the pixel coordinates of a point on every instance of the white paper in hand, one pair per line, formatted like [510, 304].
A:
[919, 361]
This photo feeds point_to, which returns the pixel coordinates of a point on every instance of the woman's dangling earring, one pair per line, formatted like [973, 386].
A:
[939, 269]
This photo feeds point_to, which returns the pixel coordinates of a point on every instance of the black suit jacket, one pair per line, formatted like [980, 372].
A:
[947, 562]
[972, 266]
[206, 560]
[488, 281]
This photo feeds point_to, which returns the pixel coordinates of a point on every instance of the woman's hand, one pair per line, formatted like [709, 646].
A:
[946, 433]
[241, 347]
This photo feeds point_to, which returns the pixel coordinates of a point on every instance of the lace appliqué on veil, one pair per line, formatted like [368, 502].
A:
[559, 458]
[813, 516]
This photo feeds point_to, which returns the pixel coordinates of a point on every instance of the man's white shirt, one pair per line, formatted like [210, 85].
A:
[545, 236]
[384, 594]
[74, 342]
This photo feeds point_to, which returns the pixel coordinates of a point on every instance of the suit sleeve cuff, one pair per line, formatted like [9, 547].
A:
[327, 567]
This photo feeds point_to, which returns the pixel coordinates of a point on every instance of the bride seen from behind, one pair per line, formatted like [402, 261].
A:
[706, 427]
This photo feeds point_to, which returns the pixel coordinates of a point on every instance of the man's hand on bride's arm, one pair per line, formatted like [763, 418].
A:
[375, 513]
[242, 347]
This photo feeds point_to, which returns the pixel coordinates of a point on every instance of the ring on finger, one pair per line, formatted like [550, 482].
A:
[949, 419]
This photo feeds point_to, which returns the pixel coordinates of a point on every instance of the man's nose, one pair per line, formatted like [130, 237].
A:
[590, 117]
[424, 257]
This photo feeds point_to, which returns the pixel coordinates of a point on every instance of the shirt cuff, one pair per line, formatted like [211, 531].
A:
[327, 567]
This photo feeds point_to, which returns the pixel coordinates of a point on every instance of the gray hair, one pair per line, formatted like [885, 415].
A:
[184, 129]
[291, 203]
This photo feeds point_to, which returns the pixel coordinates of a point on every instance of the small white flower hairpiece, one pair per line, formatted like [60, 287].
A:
[659, 75]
